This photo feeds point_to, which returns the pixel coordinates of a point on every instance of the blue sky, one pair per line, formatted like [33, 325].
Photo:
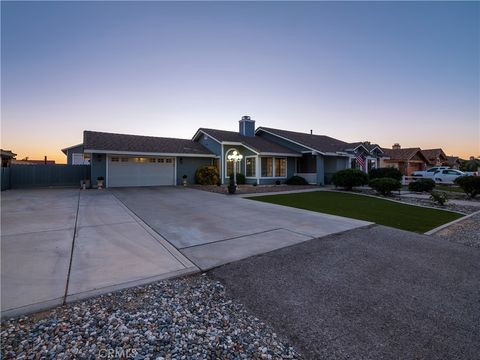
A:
[384, 72]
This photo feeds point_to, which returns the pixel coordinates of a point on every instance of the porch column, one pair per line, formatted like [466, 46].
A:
[257, 168]
[320, 170]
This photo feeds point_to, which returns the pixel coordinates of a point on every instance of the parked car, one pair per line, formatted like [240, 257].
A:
[430, 172]
[447, 176]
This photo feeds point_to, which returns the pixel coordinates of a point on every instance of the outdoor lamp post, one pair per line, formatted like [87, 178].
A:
[235, 157]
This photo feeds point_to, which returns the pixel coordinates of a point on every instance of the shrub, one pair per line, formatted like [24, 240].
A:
[278, 182]
[349, 178]
[296, 180]
[207, 175]
[240, 178]
[386, 172]
[469, 184]
[385, 186]
[422, 185]
[439, 197]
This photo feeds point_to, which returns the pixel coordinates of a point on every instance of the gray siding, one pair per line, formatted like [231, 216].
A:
[76, 150]
[98, 167]
[282, 142]
[188, 166]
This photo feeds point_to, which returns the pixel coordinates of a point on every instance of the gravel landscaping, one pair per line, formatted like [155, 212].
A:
[185, 318]
[466, 232]
[250, 189]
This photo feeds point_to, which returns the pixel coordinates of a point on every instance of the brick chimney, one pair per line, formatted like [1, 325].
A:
[396, 146]
[246, 126]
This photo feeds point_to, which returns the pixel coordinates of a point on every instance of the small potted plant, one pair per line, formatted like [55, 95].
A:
[184, 180]
[100, 182]
[231, 186]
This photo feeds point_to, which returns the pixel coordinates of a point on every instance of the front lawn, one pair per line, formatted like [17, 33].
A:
[383, 212]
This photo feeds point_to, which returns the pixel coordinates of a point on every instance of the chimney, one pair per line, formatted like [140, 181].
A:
[396, 146]
[311, 132]
[246, 126]
[45, 159]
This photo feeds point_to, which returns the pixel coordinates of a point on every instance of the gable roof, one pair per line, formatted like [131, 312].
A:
[7, 153]
[403, 154]
[65, 150]
[94, 141]
[256, 143]
[433, 154]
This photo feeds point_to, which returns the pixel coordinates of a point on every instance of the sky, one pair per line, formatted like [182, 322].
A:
[402, 72]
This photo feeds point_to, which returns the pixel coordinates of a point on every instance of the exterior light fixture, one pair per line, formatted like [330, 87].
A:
[235, 157]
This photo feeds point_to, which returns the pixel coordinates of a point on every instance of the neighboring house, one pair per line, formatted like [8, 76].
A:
[7, 157]
[454, 162]
[27, 161]
[321, 155]
[436, 157]
[269, 155]
[406, 160]
[76, 156]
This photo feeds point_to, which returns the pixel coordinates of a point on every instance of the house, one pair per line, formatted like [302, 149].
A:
[269, 155]
[436, 157]
[406, 160]
[76, 155]
[7, 157]
[454, 162]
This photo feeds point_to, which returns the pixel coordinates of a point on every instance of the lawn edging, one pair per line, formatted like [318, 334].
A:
[441, 227]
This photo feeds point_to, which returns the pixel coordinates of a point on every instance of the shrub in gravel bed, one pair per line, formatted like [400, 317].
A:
[385, 186]
[386, 172]
[422, 185]
[469, 184]
[189, 318]
[440, 197]
[349, 178]
[207, 175]
[296, 180]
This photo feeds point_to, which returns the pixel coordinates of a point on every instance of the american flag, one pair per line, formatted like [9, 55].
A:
[360, 160]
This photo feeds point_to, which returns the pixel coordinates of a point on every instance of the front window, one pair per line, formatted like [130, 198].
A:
[250, 167]
[280, 167]
[267, 166]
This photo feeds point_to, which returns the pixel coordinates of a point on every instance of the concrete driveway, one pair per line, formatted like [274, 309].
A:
[63, 244]
[213, 229]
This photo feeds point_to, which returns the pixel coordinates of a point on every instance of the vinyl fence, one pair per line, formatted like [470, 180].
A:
[5, 178]
[25, 176]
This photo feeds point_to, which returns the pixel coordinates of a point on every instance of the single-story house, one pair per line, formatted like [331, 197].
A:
[436, 157]
[407, 160]
[7, 157]
[269, 155]
[454, 162]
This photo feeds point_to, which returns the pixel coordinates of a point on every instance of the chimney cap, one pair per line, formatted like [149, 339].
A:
[246, 117]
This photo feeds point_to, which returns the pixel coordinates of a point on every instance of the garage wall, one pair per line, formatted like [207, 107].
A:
[98, 167]
[188, 166]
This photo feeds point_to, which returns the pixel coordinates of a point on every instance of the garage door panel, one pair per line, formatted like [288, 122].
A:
[140, 171]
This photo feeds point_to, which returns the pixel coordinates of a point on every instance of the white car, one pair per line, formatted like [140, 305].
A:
[447, 176]
[430, 172]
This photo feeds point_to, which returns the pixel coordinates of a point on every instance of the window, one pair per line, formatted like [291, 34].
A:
[115, 159]
[168, 161]
[124, 159]
[280, 167]
[267, 166]
[229, 164]
[152, 160]
[250, 164]
[161, 161]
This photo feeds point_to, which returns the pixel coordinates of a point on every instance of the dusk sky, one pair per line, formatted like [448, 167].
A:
[384, 72]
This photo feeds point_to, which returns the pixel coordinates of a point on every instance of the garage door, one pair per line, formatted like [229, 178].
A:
[140, 171]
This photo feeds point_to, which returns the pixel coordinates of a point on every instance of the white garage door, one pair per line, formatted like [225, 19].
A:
[140, 171]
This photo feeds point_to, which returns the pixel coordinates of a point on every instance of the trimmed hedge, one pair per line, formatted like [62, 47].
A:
[296, 180]
[385, 186]
[240, 178]
[469, 184]
[349, 178]
[386, 172]
[207, 175]
[422, 185]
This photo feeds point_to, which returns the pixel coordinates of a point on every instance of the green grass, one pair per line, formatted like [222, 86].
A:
[448, 188]
[383, 212]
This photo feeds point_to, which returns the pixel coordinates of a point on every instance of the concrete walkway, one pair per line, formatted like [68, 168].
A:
[214, 229]
[112, 248]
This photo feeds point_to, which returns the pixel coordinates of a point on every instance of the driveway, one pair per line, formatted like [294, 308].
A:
[112, 248]
[214, 229]
[372, 293]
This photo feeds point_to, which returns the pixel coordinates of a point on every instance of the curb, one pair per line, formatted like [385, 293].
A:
[441, 227]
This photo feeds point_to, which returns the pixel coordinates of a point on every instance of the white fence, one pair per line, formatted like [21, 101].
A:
[408, 179]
